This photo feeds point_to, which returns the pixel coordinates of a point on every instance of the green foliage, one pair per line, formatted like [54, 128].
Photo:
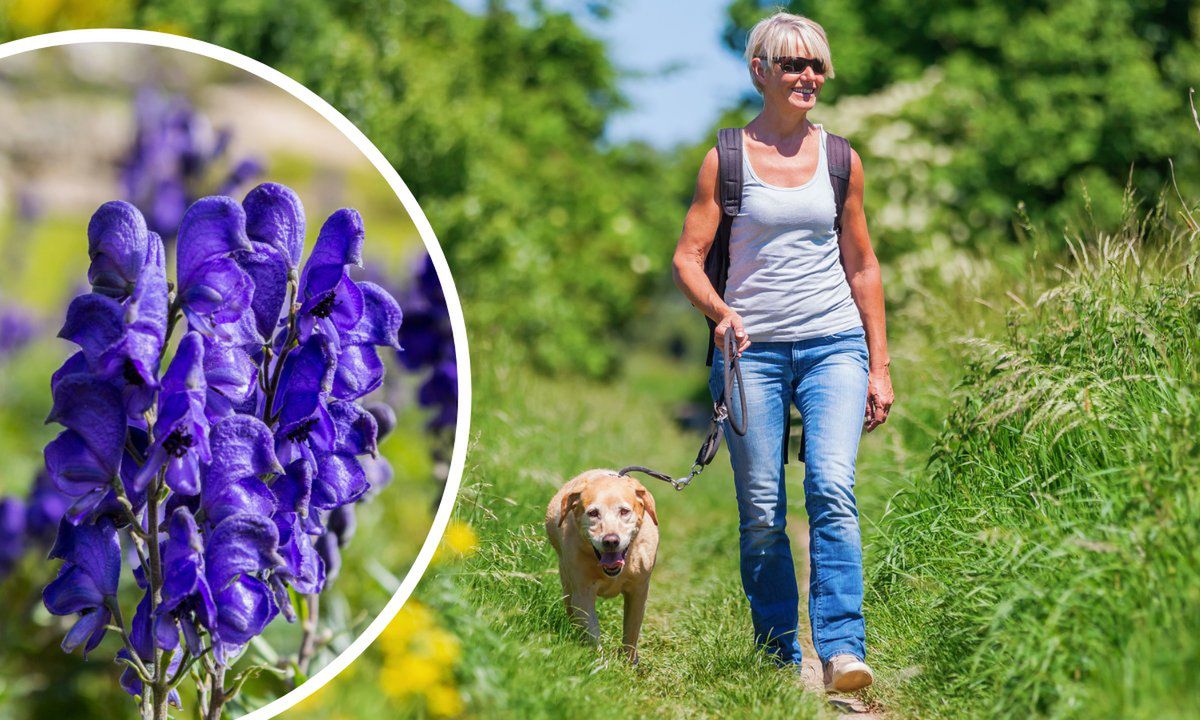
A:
[493, 124]
[1052, 539]
[1055, 105]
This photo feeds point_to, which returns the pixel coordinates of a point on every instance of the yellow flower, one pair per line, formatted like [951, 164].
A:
[409, 676]
[442, 648]
[412, 619]
[28, 17]
[418, 661]
[459, 541]
[443, 701]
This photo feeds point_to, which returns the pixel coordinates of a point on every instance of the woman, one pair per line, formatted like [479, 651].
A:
[806, 309]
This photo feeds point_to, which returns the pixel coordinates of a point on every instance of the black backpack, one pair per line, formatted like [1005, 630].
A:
[729, 184]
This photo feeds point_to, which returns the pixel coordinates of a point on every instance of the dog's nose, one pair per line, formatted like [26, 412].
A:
[611, 541]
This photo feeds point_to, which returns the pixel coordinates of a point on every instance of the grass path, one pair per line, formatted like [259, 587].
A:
[523, 658]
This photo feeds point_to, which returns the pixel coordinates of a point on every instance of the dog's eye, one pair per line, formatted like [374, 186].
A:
[624, 511]
[593, 513]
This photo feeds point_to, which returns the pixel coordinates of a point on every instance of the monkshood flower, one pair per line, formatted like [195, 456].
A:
[214, 291]
[182, 426]
[85, 458]
[31, 522]
[440, 392]
[87, 581]
[427, 340]
[174, 152]
[12, 533]
[232, 472]
[17, 329]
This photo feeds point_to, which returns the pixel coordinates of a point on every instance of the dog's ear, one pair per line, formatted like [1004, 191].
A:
[647, 502]
[569, 501]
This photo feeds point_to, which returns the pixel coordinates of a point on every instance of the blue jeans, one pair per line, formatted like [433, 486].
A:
[826, 378]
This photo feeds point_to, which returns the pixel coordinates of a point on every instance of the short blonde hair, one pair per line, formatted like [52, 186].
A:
[780, 35]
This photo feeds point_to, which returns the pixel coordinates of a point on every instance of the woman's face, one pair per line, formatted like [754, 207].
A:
[798, 90]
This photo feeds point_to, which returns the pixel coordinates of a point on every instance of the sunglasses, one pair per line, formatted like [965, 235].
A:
[797, 64]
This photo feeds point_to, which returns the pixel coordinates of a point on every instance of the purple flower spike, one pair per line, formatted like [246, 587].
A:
[214, 290]
[86, 582]
[13, 526]
[45, 508]
[440, 392]
[117, 245]
[182, 426]
[275, 217]
[86, 456]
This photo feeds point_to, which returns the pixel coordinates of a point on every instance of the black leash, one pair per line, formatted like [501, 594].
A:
[712, 442]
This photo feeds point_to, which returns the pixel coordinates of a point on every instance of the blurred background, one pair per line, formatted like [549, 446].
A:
[90, 123]
[1032, 178]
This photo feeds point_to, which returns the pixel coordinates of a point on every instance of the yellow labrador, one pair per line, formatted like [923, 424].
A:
[605, 530]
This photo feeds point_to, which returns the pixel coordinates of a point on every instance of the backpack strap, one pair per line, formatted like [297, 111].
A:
[729, 192]
[729, 169]
[837, 150]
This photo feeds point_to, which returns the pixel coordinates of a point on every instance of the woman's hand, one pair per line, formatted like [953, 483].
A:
[732, 322]
[879, 398]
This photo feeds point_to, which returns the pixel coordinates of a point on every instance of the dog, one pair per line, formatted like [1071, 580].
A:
[604, 527]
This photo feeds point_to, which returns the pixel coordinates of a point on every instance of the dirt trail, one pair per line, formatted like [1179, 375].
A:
[849, 705]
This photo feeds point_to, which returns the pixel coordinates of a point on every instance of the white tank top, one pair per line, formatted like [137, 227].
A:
[785, 273]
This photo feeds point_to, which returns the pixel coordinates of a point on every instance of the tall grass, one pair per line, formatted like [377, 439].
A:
[1046, 561]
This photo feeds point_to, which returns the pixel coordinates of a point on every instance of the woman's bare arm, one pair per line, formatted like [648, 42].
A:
[703, 218]
[866, 285]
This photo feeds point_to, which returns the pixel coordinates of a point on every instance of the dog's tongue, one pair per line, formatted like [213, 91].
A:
[612, 559]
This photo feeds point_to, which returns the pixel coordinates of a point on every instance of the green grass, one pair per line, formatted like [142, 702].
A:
[1046, 561]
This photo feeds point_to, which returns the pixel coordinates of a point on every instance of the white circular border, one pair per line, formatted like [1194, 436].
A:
[462, 429]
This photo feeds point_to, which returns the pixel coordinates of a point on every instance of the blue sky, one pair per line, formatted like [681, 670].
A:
[678, 73]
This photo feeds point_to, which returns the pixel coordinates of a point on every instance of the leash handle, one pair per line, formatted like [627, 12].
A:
[733, 368]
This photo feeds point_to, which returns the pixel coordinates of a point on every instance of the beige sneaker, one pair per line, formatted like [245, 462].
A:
[846, 673]
[810, 675]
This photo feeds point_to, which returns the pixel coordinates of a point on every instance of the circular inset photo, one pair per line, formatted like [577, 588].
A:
[245, 345]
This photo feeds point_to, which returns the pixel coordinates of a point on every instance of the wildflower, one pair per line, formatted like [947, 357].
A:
[214, 581]
[231, 377]
[440, 391]
[87, 581]
[17, 329]
[301, 404]
[84, 458]
[44, 508]
[182, 427]
[174, 150]
[459, 539]
[242, 452]
[214, 290]
[119, 247]
[12, 533]
[331, 302]
[359, 369]
[275, 226]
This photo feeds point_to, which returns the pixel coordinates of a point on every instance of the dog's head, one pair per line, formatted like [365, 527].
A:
[609, 510]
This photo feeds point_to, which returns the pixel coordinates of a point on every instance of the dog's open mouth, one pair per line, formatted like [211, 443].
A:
[611, 562]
